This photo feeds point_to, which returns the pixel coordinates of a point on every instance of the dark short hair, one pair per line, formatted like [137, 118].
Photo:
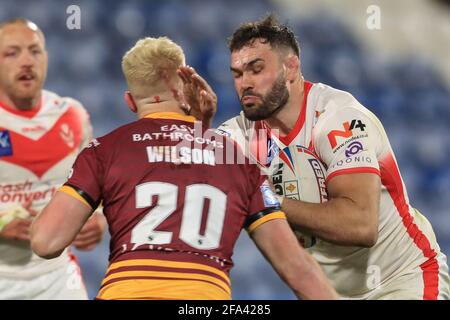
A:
[269, 30]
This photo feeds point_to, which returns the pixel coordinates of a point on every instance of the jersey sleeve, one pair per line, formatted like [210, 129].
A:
[236, 129]
[84, 181]
[87, 131]
[84, 117]
[264, 205]
[250, 136]
[348, 140]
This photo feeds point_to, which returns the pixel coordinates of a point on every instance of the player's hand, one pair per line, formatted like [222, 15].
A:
[15, 222]
[91, 233]
[17, 229]
[31, 211]
[201, 99]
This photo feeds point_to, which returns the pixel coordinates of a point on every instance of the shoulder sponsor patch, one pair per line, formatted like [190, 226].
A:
[70, 174]
[346, 133]
[270, 200]
[353, 148]
[5, 143]
[223, 132]
[353, 162]
[93, 143]
[272, 150]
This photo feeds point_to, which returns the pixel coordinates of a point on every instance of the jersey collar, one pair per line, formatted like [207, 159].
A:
[286, 140]
[170, 116]
[23, 113]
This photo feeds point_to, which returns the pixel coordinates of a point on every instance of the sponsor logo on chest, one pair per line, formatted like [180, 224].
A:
[5, 143]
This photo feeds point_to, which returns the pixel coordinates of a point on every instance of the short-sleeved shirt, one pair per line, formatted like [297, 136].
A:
[176, 197]
[348, 138]
[37, 149]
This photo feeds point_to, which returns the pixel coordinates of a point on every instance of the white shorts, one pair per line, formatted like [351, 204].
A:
[411, 286]
[64, 283]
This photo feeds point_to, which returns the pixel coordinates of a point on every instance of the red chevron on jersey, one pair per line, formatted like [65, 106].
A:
[41, 155]
[37, 150]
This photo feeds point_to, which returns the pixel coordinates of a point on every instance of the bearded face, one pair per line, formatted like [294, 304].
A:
[260, 80]
[266, 105]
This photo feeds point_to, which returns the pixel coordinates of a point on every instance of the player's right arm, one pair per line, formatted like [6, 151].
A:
[268, 228]
[293, 264]
[57, 226]
[92, 232]
[347, 141]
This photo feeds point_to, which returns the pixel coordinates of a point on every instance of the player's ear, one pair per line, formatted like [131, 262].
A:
[292, 64]
[177, 92]
[130, 101]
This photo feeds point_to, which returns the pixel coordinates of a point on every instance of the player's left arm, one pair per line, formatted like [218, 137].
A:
[58, 224]
[348, 142]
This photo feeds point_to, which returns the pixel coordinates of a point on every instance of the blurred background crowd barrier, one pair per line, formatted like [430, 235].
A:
[399, 69]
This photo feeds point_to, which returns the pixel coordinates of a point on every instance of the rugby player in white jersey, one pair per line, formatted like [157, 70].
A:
[371, 242]
[40, 137]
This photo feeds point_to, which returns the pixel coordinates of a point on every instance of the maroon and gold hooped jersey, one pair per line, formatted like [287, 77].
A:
[176, 197]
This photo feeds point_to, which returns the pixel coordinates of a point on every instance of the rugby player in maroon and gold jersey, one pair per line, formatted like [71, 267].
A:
[174, 202]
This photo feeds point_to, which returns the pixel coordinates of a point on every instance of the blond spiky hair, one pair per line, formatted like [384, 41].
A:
[150, 59]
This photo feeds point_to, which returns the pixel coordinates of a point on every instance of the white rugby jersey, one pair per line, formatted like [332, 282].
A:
[348, 138]
[37, 150]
